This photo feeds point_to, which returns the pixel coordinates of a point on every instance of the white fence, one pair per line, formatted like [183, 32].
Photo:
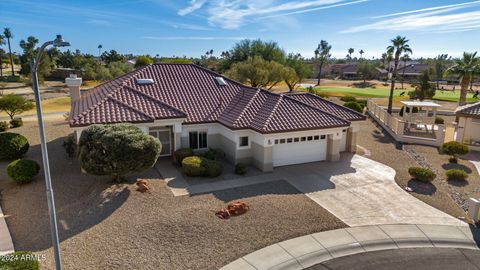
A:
[396, 127]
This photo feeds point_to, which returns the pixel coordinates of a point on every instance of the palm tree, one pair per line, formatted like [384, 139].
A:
[8, 35]
[361, 53]
[440, 67]
[465, 68]
[398, 47]
[350, 52]
[322, 53]
[2, 42]
[100, 49]
[405, 58]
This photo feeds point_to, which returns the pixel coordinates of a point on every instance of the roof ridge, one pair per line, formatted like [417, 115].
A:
[252, 99]
[130, 107]
[467, 106]
[269, 118]
[317, 109]
[154, 99]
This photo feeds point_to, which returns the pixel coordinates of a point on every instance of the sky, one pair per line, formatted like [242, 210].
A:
[192, 27]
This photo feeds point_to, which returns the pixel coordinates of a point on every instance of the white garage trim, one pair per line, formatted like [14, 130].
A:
[296, 150]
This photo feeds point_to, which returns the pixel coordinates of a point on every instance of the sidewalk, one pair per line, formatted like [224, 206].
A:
[6, 243]
[302, 252]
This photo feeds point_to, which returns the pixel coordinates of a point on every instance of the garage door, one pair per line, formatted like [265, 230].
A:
[290, 151]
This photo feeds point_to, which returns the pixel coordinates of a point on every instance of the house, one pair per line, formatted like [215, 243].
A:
[468, 128]
[411, 72]
[185, 105]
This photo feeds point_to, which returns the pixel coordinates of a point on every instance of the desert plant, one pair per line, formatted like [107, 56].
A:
[20, 260]
[180, 154]
[200, 166]
[240, 169]
[22, 171]
[422, 174]
[16, 122]
[12, 146]
[14, 105]
[70, 145]
[454, 149]
[116, 150]
[354, 106]
[4, 126]
[456, 175]
[439, 120]
[348, 99]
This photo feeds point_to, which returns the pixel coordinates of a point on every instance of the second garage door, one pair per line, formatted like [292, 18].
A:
[290, 151]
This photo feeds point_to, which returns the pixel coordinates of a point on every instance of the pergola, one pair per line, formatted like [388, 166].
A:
[427, 111]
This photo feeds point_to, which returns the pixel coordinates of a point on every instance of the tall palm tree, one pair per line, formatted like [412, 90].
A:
[405, 58]
[440, 67]
[322, 53]
[8, 35]
[361, 53]
[465, 69]
[100, 49]
[398, 47]
[2, 42]
[350, 52]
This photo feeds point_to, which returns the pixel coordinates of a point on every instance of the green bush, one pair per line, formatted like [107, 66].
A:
[200, 166]
[4, 126]
[70, 145]
[354, 106]
[16, 122]
[22, 171]
[348, 99]
[453, 149]
[456, 175]
[422, 174]
[415, 110]
[12, 146]
[180, 154]
[362, 102]
[240, 169]
[19, 260]
[439, 120]
[213, 154]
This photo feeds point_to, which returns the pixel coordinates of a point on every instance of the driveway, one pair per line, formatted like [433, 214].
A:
[360, 192]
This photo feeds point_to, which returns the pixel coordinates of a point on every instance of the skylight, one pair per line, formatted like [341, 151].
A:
[220, 81]
[145, 81]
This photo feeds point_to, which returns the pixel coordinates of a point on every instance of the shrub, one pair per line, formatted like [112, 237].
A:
[439, 121]
[180, 154]
[4, 126]
[19, 260]
[415, 110]
[116, 150]
[421, 174]
[200, 166]
[456, 175]
[213, 154]
[348, 99]
[453, 149]
[401, 111]
[12, 146]
[354, 106]
[322, 94]
[22, 171]
[362, 102]
[16, 122]
[240, 169]
[70, 145]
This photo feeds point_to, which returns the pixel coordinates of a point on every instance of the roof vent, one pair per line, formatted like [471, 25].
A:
[145, 81]
[220, 81]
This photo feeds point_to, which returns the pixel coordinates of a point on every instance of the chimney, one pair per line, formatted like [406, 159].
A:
[73, 84]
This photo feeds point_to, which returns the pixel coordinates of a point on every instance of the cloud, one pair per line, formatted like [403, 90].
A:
[232, 14]
[440, 19]
[99, 22]
[194, 38]
[190, 27]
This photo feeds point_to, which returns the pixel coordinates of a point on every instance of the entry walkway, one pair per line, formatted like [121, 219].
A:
[302, 252]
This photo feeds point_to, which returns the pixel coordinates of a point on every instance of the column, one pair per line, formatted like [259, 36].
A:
[333, 147]
[177, 136]
[352, 140]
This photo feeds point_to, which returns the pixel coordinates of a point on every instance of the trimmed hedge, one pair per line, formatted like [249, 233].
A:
[181, 154]
[19, 260]
[16, 122]
[22, 171]
[453, 149]
[240, 169]
[354, 106]
[422, 174]
[4, 126]
[456, 175]
[12, 146]
[200, 166]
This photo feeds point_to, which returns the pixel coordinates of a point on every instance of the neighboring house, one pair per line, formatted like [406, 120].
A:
[468, 128]
[185, 105]
[411, 72]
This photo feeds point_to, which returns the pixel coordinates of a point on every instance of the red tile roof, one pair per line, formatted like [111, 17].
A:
[191, 92]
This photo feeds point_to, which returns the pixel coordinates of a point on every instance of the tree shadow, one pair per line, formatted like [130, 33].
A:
[381, 136]
[82, 200]
[456, 166]
[422, 188]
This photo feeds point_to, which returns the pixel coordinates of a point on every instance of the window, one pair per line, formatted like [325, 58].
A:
[309, 138]
[198, 140]
[296, 139]
[303, 139]
[323, 137]
[282, 140]
[344, 130]
[289, 140]
[276, 141]
[316, 137]
[243, 141]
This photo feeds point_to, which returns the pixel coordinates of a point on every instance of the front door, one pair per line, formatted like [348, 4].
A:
[164, 135]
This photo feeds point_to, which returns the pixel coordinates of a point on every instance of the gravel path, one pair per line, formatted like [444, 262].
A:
[105, 226]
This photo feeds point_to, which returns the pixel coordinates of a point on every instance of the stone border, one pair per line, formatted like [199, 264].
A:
[305, 251]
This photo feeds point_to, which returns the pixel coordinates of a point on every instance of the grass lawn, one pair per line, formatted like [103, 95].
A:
[384, 93]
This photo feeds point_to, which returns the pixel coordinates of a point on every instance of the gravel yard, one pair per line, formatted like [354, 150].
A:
[382, 148]
[105, 226]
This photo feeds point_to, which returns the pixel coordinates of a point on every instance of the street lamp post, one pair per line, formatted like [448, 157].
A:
[58, 42]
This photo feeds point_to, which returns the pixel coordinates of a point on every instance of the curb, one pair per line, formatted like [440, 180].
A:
[305, 251]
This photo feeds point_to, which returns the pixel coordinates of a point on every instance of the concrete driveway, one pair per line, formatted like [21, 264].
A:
[360, 192]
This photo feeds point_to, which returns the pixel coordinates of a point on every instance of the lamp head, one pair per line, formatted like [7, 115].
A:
[59, 42]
